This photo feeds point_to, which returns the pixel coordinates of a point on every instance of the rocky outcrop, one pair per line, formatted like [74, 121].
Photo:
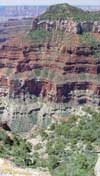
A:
[5, 126]
[8, 168]
[67, 25]
[96, 26]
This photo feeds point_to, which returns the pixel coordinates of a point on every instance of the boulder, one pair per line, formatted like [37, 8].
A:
[97, 167]
[96, 27]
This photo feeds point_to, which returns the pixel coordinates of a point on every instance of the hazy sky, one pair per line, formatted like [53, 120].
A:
[42, 2]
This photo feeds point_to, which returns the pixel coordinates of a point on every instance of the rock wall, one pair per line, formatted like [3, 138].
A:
[38, 83]
[18, 62]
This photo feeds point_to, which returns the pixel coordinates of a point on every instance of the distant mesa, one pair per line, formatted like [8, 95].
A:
[21, 11]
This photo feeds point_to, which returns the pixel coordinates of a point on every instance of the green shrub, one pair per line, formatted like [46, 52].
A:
[96, 54]
[38, 146]
[44, 73]
[33, 117]
[39, 36]
[88, 39]
[16, 148]
[37, 72]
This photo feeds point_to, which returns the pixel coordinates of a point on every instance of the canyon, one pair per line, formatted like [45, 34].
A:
[50, 92]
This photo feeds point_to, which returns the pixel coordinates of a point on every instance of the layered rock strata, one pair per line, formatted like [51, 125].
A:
[36, 83]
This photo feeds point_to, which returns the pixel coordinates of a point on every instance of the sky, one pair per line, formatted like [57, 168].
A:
[48, 2]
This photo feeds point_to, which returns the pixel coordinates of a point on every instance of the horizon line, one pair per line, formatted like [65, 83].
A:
[41, 5]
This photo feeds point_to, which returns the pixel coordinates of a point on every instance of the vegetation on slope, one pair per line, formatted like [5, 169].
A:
[71, 146]
[41, 36]
[89, 40]
[64, 11]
